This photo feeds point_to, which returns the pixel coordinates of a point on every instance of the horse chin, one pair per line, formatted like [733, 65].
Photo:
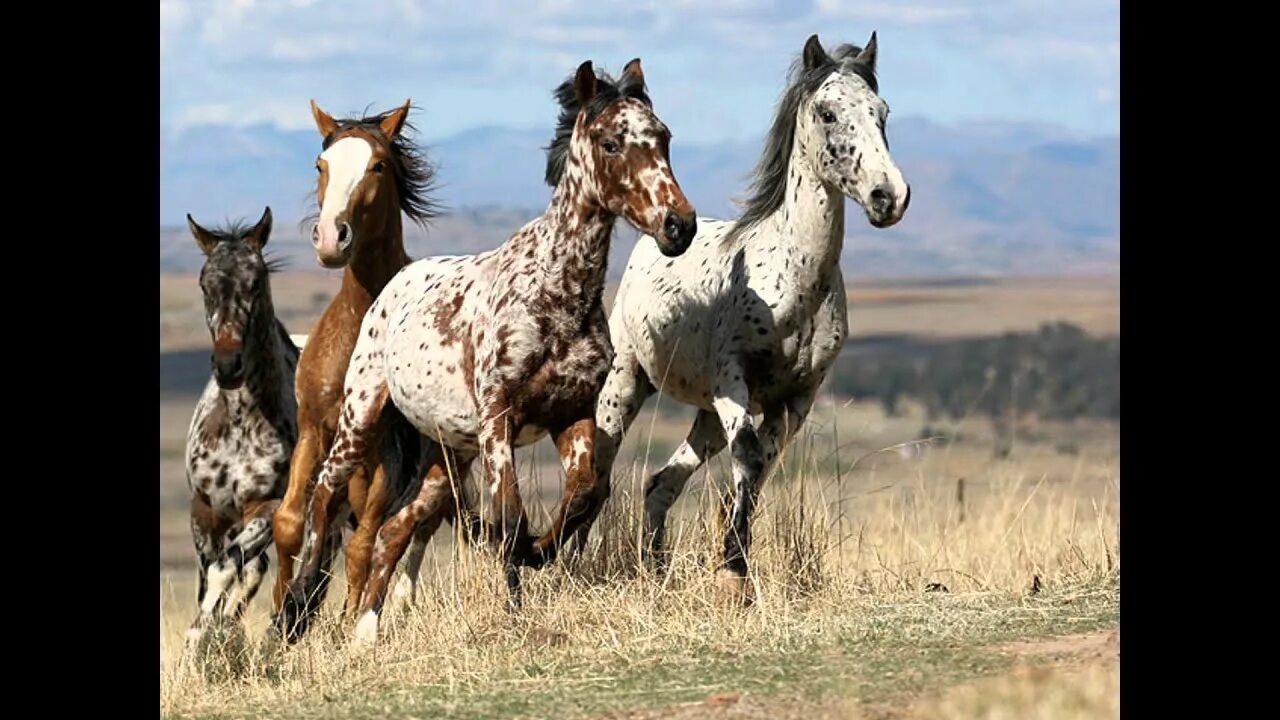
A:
[332, 263]
[234, 383]
[884, 222]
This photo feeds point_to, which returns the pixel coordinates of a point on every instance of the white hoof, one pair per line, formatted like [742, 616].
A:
[366, 632]
[402, 594]
[192, 638]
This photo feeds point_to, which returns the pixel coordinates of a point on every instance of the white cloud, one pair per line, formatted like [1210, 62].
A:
[173, 15]
[239, 54]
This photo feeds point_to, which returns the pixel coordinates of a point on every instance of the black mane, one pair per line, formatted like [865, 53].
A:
[769, 182]
[414, 174]
[607, 91]
[235, 231]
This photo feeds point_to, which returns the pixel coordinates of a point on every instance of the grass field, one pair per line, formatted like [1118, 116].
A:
[893, 579]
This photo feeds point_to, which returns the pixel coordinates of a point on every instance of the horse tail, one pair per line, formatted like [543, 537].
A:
[401, 457]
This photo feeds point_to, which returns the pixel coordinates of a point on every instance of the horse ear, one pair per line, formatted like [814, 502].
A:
[584, 84]
[261, 232]
[324, 121]
[634, 70]
[868, 54]
[204, 238]
[814, 55]
[394, 121]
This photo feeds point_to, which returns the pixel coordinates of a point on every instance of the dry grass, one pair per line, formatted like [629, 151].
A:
[853, 551]
[991, 307]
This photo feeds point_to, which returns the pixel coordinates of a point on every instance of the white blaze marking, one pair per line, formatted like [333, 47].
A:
[348, 159]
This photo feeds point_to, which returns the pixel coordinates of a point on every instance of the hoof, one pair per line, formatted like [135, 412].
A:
[735, 590]
[291, 623]
[366, 634]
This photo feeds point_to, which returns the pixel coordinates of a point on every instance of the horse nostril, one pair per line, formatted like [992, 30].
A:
[671, 226]
[315, 235]
[881, 201]
[344, 235]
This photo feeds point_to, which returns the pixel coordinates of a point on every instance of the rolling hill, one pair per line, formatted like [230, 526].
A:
[987, 198]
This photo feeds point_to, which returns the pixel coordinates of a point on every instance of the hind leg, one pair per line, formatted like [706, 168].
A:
[705, 439]
[405, 591]
[423, 514]
[370, 504]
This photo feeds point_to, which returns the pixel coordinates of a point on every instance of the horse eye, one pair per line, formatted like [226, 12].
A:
[610, 147]
[318, 168]
[828, 117]
[378, 166]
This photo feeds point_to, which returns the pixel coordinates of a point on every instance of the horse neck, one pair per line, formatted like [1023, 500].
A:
[264, 357]
[811, 220]
[574, 250]
[377, 259]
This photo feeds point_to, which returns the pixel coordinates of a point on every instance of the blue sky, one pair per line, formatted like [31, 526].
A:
[714, 68]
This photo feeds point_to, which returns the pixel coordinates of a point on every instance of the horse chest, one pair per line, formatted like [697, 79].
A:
[240, 461]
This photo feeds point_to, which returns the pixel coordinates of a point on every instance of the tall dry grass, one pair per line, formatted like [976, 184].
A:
[842, 541]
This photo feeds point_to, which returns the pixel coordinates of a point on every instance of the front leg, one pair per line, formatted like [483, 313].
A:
[207, 531]
[501, 492]
[357, 426]
[583, 494]
[732, 403]
[248, 552]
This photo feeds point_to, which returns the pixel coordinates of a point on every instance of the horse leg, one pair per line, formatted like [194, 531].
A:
[357, 426]
[360, 546]
[705, 439]
[287, 525]
[583, 493]
[502, 494]
[732, 402]
[248, 551]
[779, 427]
[207, 530]
[423, 514]
[406, 588]
[624, 392]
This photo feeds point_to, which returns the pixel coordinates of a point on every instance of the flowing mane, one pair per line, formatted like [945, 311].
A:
[414, 175]
[769, 178]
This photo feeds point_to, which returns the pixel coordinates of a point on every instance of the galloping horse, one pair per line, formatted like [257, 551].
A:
[494, 351]
[243, 429]
[368, 175]
[751, 318]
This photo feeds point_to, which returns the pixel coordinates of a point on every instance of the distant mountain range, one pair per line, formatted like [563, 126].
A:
[987, 199]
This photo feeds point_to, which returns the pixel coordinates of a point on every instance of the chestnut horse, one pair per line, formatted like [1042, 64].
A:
[490, 352]
[368, 175]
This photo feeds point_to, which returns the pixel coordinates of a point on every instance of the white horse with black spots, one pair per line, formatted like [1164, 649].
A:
[749, 320]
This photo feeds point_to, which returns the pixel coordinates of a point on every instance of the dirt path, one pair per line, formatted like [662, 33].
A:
[1072, 676]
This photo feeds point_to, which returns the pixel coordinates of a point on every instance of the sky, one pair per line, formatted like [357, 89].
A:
[714, 68]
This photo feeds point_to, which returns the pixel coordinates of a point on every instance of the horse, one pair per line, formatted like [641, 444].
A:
[243, 430]
[485, 353]
[750, 320]
[368, 174]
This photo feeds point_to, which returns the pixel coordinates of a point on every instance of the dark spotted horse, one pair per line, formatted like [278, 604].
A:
[243, 430]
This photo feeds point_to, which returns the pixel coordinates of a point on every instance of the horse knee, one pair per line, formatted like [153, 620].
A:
[286, 526]
[748, 453]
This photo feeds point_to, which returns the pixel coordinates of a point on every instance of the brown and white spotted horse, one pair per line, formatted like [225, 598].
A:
[368, 174]
[243, 430]
[494, 351]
